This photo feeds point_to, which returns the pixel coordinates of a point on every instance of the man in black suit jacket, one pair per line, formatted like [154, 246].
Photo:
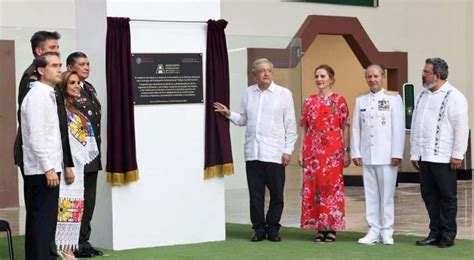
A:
[88, 105]
[41, 42]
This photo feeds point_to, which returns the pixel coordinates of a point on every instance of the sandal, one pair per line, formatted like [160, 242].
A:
[67, 255]
[319, 238]
[330, 236]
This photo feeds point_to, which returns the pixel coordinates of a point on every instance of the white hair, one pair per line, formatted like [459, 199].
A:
[257, 62]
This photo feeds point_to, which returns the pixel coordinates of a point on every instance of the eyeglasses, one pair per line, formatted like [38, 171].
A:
[424, 72]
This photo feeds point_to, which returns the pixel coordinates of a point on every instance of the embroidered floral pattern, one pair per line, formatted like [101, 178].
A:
[70, 210]
[323, 155]
[77, 129]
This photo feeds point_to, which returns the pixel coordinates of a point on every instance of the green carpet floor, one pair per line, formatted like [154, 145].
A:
[297, 244]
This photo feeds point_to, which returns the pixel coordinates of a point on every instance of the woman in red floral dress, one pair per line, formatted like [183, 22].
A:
[323, 156]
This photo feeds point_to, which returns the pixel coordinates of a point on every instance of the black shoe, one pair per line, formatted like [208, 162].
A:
[274, 238]
[273, 235]
[429, 241]
[84, 253]
[96, 252]
[257, 237]
[446, 242]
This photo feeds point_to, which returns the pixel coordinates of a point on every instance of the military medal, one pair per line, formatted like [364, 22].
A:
[384, 105]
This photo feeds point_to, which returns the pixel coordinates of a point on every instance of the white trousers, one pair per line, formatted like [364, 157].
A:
[379, 188]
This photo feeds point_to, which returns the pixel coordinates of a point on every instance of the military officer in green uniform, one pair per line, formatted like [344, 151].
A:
[88, 105]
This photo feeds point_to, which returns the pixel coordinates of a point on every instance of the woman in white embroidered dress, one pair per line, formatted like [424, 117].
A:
[83, 150]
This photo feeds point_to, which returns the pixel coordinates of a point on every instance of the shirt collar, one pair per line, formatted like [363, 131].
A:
[444, 88]
[271, 88]
[378, 93]
[43, 85]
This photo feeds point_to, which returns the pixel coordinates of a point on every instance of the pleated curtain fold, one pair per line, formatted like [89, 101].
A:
[218, 150]
[121, 165]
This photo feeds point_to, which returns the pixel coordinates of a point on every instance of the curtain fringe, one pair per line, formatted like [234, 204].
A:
[122, 178]
[218, 170]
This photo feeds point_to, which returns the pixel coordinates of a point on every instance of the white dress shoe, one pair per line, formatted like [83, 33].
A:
[387, 240]
[369, 239]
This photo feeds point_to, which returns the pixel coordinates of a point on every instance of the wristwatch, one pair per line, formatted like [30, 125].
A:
[347, 149]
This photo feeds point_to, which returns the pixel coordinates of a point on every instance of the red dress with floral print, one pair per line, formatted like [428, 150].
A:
[323, 157]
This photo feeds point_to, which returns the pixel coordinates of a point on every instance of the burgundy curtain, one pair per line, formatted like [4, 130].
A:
[121, 153]
[218, 151]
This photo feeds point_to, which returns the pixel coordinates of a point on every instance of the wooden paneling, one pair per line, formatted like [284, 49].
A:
[8, 171]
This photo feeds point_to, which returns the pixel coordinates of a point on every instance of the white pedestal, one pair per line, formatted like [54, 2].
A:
[171, 203]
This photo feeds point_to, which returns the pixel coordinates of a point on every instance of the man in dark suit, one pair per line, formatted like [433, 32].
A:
[88, 105]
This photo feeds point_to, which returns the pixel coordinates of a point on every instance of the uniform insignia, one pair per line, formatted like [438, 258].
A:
[81, 100]
[384, 105]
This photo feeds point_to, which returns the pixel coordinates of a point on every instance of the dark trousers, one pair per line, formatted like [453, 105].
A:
[439, 192]
[90, 188]
[41, 217]
[53, 249]
[260, 175]
[25, 186]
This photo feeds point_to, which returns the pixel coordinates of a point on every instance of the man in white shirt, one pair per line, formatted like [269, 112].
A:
[268, 111]
[377, 145]
[43, 157]
[439, 139]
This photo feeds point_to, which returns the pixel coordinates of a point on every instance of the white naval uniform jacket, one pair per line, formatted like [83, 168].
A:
[378, 128]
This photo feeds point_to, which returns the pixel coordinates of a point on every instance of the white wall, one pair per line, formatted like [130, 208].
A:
[171, 203]
[37, 13]
[91, 31]
[19, 20]
[423, 28]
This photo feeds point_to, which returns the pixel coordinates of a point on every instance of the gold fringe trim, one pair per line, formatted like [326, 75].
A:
[122, 178]
[218, 170]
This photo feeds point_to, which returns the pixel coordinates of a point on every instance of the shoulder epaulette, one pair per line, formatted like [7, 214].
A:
[392, 93]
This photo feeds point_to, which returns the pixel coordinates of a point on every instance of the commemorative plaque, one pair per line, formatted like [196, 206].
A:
[167, 78]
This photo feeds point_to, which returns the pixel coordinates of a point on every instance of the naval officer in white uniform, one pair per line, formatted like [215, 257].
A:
[377, 145]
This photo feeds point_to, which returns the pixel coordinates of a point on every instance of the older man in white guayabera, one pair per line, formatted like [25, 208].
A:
[268, 111]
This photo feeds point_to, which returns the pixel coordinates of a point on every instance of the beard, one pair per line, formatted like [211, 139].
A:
[427, 85]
